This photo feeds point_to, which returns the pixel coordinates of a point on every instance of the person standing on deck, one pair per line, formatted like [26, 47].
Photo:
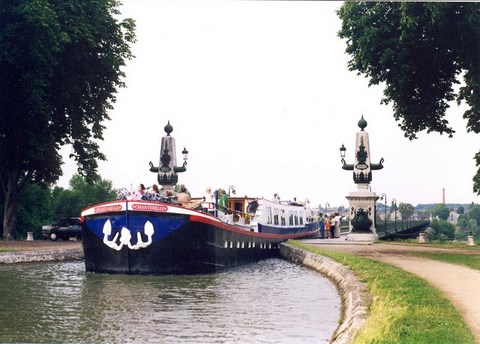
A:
[223, 205]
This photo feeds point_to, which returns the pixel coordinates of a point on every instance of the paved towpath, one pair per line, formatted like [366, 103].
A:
[461, 285]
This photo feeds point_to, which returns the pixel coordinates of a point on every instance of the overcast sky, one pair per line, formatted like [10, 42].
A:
[260, 95]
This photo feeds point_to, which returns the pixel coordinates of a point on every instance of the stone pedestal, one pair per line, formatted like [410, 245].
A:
[362, 237]
[423, 238]
[470, 241]
[362, 215]
[29, 236]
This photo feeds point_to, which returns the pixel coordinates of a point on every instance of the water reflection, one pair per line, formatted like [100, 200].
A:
[270, 302]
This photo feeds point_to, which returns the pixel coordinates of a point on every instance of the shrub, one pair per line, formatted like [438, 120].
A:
[441, 230]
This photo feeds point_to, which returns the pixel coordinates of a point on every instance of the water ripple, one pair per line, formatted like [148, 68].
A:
[270, 302]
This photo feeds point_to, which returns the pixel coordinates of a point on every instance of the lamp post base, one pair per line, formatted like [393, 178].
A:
[362, 237]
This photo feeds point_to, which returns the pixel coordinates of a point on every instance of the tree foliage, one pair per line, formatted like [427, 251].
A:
[60, 68]
[88, 193]
[474, 214]
[42, 205]
[80, 194]
[441, 211]
[420, 51]
[469, 224]
[441, 230]
[406, 209]
[35, 209]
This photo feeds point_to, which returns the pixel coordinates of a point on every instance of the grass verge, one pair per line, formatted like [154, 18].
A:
[405, 309]
[468, 260]
[454, 245]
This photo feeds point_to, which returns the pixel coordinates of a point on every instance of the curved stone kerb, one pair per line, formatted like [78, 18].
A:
[354, 295]
[41, 256]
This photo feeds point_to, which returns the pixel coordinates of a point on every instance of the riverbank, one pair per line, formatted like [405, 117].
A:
[458, 283]
[39, 251]
[354, 295]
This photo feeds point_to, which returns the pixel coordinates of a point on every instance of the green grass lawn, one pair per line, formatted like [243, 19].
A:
[469, 260]
[405, 309]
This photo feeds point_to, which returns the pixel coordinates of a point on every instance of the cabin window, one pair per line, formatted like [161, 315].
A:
[296, 218]
[275, 216]
[238, 206]
[301, 218]
[282, 218]
[290, 218]
[269, 215]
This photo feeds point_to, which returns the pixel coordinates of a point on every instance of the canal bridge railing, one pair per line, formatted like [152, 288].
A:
[402, 229]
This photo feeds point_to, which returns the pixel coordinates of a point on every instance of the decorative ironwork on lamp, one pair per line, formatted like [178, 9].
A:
[167, 172]
[342, 151]
[363, 167]
[182, 168]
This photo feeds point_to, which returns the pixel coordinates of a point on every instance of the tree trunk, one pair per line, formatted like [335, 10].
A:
[10, 211]
[10, 219]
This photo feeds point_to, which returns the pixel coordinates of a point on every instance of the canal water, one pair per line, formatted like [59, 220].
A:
[273, 301]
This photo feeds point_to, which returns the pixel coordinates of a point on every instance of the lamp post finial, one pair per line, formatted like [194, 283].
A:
[362, 123]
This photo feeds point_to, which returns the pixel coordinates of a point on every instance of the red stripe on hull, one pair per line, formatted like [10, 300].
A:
[225, 226]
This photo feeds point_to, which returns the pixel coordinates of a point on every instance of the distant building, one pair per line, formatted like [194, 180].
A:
[395, 215]
[453, 217]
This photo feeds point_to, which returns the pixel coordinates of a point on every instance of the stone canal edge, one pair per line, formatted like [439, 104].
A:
[41, 256]
[354, 295]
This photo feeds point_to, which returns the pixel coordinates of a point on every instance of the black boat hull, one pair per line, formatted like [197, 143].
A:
[181, 243]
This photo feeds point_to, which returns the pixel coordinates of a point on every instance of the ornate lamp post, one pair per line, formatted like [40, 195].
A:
[342, 151]
[232, 189]
[394, 206]
[167, 169]
[185, 156]
[384, 197]
[326, 207]
[362, 202]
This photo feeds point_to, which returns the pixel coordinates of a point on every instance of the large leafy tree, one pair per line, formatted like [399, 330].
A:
[80, 194]
[60, 68]
[420, 51]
